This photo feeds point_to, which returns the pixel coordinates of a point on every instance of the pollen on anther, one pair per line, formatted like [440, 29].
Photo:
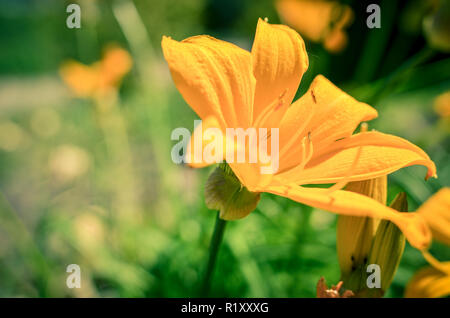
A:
[313, 97]
[364, 127]
[266, 19]
[281, 100]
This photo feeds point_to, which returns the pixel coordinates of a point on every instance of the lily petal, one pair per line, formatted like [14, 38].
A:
[201, 139]
[324, 111]
[430, 282]
[349, 203]
[310, 18]
[362, 156]
[335, 41]
[215, 78]
[279, 61]
[436, 211]
[83, 80]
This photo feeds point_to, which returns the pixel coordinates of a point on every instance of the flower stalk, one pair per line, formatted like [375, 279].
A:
[216, 240]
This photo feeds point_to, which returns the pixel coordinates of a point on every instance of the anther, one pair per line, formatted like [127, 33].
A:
[281, 100]
[268, 110]
[364, 127]
[268, 135]
[313, 97]
[306, 152]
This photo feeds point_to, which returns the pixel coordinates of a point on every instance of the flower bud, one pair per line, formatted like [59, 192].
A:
[355, 234]
[387, 250]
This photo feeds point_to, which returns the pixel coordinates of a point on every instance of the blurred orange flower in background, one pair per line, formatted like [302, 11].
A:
[442, 105]
[99, 78]
[430, 282]
[436, 211]
[318, 20]
[434, 281]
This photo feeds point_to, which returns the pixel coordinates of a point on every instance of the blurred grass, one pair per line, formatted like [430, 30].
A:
[58, 182]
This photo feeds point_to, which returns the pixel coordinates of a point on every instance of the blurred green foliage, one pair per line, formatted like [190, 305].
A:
[58, 182]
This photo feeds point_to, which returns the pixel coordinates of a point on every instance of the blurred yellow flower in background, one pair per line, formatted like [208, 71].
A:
[436, 211]
[442, 105]
[434, 281]
[230, 87]
[318, 20]
[430, 282]
[99, 78]
[68, 162]
[90, 231]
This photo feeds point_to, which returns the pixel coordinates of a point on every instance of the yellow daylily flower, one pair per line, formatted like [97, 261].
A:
[318, 20]
[442, 105]
[434, 281]
[436, 212]
[101, 77]
[229, 87]
[430, 282]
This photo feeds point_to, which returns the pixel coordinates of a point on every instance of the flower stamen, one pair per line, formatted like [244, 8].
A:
[341, 184]
[270, 109]
[306, 152]
[313, 97]
[297, 134]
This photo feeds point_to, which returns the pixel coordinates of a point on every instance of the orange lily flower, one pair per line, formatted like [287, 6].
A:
[318, 20]
[101, 77]
[442, 105]
[229, 87]
[434, 281]
[436, 212]
[430, 282]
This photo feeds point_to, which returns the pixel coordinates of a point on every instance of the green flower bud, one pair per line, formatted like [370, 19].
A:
[386, 252]
[224, 192]
[355, 234]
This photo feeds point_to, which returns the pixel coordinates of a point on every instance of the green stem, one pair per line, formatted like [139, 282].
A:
[26, 245]
[376, 44]
[113, 126]
[216, 240]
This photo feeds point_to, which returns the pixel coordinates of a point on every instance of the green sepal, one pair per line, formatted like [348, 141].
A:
[224, 192]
